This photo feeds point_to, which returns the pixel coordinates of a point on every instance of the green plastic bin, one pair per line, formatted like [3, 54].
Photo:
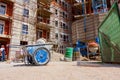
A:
[69, 53]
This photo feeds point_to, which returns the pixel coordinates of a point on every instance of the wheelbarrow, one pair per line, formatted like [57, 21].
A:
[38, 54]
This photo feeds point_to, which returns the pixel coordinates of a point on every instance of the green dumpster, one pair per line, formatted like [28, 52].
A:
[109, 34]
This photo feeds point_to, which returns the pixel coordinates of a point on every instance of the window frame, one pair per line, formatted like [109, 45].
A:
[47, 34]
[56, 23]
[5, 8]
[2, 22]
[56, 35]
[38, 31]
[56, 12]
[25, 31]
[24, 14]
[26, 1]
[61, 24]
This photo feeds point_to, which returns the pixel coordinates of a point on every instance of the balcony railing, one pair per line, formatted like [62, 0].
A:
[43, 23]
[5, 17]
[44, 1]
[44, 20]
[44, 12]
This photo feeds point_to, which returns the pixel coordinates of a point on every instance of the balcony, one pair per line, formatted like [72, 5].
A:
[5, 36]
[6, 9]
[44, 12]
[5, 17]
[44, 1]
[43, 23]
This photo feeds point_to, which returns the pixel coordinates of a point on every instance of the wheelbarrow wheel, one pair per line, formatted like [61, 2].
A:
[30, 59]
[41, 56]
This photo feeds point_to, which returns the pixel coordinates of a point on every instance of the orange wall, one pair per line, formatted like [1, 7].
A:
[7, 27]
[9, 9]
[44, 34]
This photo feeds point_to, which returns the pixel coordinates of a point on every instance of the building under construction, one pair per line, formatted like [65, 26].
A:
[49, 19]
[88, 14]
[61, 19]
[43, 26]
[22, 22]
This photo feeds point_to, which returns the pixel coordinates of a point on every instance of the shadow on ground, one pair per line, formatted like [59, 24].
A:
[96, 64]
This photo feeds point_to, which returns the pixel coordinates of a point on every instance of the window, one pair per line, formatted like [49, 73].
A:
[61, 36]
[61, 24]
[2, 8]
[26, 13]
[56, 11]
[66, 27]
[48, 21]
[64, 37]
[57, 1]
[47, 35]
[26, 1]
[65, 15]
[1, 27]
[61, 14]
[56, 35]
[65, 5]
[67, 38]
[56, 23]
[39, 34]
[40, 19]
[24, 29]
[23, 42]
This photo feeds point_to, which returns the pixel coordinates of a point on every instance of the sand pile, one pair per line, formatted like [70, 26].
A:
[56, 56]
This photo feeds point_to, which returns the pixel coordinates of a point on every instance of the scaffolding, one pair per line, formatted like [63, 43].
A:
[61, 20]
[43, 19]
[91, 13]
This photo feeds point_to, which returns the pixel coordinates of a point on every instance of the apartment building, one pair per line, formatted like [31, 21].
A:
[43, 19]
[6, 9]
[17, 23]
[61, 20]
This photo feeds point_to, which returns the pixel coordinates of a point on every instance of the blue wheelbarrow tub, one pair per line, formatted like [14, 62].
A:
[31, 49]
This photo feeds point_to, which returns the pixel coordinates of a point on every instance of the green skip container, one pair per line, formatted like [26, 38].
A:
[69, 54]
[109, 34]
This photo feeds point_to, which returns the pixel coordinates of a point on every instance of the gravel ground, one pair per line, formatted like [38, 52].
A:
[60, 71]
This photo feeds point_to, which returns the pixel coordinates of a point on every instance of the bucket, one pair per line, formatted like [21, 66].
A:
[69, 54]
[76, 54]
